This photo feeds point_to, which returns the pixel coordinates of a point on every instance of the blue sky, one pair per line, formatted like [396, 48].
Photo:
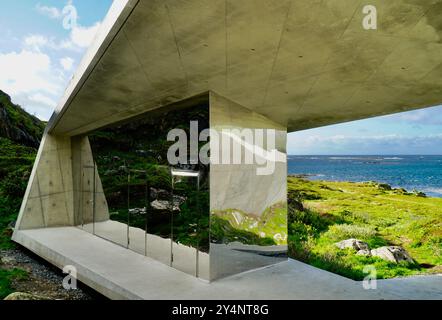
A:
[40, 48]
[38, 56]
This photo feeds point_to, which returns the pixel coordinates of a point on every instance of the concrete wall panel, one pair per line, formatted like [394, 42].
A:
[48, 199]
[53, 197]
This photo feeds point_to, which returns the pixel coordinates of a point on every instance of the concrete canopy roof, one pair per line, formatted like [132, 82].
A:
[302, 63]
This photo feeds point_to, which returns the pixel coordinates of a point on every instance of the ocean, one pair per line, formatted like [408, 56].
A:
[423, 173]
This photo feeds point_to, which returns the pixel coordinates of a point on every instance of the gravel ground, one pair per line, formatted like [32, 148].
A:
[44, 280]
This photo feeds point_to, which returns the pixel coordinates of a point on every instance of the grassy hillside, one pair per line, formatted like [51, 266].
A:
[374, 213]
[20, 135]
[15, 167]
[17, 125]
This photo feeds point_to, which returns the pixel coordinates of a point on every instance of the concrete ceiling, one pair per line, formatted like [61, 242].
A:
[302, 63]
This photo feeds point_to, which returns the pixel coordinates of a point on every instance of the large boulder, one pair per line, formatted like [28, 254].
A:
[352, 243]
[392, 253]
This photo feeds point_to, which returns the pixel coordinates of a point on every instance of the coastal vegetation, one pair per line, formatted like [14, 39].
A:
[322, 213]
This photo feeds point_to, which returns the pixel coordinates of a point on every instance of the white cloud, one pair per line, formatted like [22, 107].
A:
[36, 41]
[27, 71]
[80, 38]
[427, 116]
[83, 36]
[355, 140]
[31, 80]
[369, 144]
[36, 75]
[67, 63]
[42, 99]
[51, 12]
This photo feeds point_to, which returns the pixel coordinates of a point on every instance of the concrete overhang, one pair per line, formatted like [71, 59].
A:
[301, 63]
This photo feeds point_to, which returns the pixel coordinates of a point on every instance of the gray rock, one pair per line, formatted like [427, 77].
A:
[392, 253]
[159, 194]
[364, 252]
[8, 260]
[110, 172]
[137, 211]
[11, 225]
[352, 243]
[160, 204]
[418, 193]
[165, 205]
[25, 296]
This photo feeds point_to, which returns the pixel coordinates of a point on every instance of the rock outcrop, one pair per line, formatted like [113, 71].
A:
[352, 243]
[17, 125]
[392, 253]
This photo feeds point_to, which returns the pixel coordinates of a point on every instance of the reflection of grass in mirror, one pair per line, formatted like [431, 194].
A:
[191, 223]
[271, 224]
[222, 232]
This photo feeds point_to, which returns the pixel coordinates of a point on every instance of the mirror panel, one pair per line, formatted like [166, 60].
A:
[149, 210]
[159, 216]
[138, 201]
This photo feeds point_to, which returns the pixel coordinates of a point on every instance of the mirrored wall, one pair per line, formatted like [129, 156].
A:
[130, 195]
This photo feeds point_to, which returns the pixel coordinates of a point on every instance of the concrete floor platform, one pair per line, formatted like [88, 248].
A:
[119, 273]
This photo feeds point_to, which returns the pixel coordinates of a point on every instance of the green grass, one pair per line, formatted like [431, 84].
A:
[6, 279]
[15, 168]
[371, 212]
